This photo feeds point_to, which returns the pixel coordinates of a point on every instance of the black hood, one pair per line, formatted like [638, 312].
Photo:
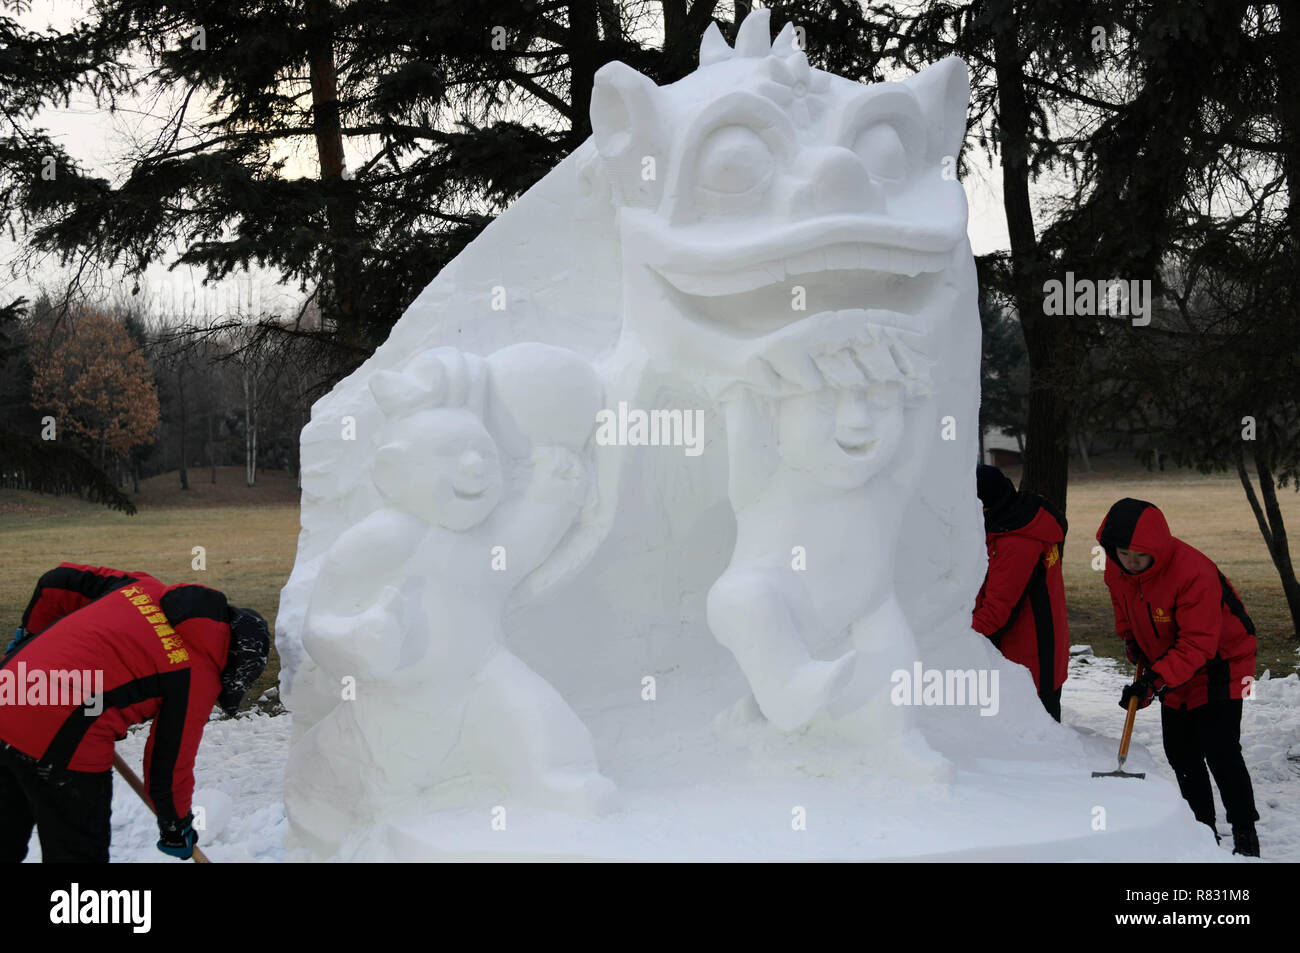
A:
[992, 486]
[1019, 510]
[250, 645]
[1139, 525]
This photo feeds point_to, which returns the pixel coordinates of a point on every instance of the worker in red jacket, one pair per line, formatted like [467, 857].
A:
[100, 650]
[1183, 624]
[1021, 606]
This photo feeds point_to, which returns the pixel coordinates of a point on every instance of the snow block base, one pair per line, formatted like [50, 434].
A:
[738, 791]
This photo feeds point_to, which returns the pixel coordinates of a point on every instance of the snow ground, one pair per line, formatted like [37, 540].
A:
[1270, 740]
[242, 758]
[242, 761]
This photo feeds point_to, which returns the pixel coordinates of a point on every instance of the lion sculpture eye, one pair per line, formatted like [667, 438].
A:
[733, 160]
[882, 152]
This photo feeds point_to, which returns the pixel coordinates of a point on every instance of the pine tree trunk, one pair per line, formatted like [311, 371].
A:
[611, 21]
[1047, 428]
[1288, 101]
[681, 43]
[340, 211]
[584, 60]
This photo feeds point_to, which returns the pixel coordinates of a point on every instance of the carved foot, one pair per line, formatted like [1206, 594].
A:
[794, 700]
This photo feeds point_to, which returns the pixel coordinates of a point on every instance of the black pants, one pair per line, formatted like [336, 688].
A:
[1209, 735]
[1051, 699]
[71, 812]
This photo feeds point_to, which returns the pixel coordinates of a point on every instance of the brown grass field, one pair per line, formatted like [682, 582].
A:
[1208, 512]
[251, 533]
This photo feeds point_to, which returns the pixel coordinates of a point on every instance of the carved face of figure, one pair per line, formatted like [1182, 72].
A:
[781, 192]
[844, 437]
[443, 466]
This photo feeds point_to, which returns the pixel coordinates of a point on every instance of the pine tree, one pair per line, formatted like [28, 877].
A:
[421, 120]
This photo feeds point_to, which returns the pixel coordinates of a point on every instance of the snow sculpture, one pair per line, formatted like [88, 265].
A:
[792, 255]
[762, 246]
[476, 457]
[809, 466]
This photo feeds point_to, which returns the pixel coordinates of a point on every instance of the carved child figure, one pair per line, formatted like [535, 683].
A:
[819, 478]
[482, 475]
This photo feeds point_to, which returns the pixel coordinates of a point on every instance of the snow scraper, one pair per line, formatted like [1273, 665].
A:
[1119, 772]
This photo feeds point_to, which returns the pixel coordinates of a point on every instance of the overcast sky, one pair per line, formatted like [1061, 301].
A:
[94, 137]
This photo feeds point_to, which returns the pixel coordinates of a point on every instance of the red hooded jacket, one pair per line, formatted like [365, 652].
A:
[1021, 606]
[1181, 613]
[160, 649]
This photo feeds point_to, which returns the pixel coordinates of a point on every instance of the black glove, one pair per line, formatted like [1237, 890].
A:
[1135, 654]
[177, 837]
[1144, 688]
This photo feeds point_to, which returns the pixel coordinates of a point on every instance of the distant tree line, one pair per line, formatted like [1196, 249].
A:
[116, 398]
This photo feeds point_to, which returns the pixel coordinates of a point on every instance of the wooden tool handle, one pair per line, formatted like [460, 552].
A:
[1128, 728]
[138, 786]
[1128, 722]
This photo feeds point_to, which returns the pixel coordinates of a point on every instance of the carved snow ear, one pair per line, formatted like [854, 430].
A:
[944, 92]
[438, 377]
[429, 370]
[396, 393]
[625, 126]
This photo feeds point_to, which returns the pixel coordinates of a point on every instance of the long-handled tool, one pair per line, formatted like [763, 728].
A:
[138, 787]
[1119, 772]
